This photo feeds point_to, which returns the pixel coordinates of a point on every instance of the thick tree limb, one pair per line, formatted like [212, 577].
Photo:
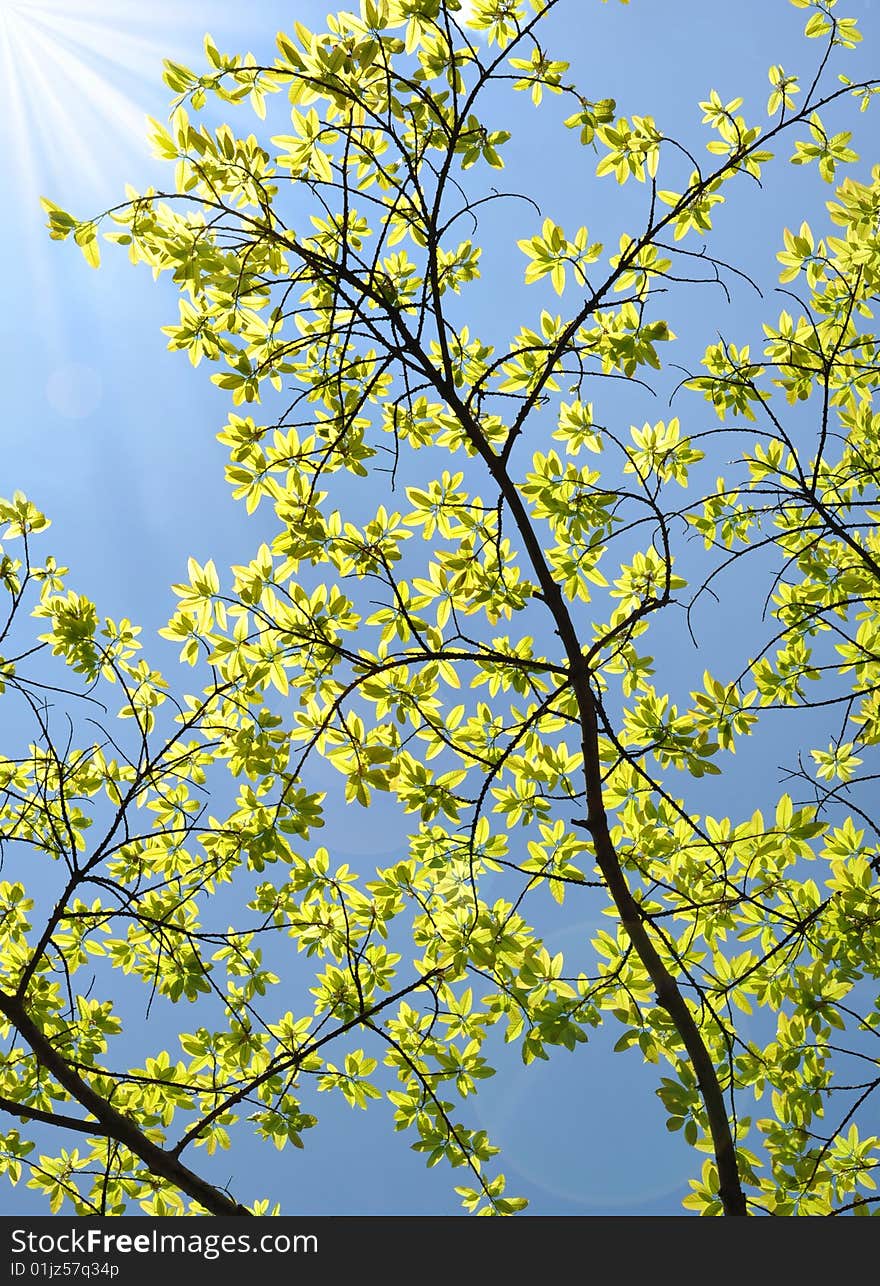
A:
[112, 1123]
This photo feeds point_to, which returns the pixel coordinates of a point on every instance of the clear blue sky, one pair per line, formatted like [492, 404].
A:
[114, 438]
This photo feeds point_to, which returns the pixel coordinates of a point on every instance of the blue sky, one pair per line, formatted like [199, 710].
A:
[114, 438]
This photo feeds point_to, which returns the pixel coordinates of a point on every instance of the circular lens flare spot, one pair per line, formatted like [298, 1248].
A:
[74, 391]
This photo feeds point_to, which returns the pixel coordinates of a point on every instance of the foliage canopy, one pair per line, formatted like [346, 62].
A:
[462, 560]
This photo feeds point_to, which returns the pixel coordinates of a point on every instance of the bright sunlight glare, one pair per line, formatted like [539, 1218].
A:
[70, 75]
[77, 80]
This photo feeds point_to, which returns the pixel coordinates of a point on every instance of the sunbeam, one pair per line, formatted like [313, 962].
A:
[78, 79]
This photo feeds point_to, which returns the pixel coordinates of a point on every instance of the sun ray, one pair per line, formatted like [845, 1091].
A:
[88, 39]
[65, 60]
[30, 238]
[77, 81]
[65, 78]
